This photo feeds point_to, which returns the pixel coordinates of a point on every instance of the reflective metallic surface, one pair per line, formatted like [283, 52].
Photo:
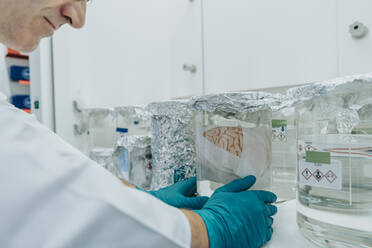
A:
[173, 145]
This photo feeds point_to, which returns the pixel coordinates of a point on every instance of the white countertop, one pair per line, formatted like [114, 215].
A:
[286, 232]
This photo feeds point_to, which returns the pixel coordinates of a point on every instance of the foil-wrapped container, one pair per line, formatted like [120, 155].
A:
[173, 146]
[339, 85]
[134, 160]
[343, 102]
[237, 102]
[233, 138]
[104, 157]
[133, 118]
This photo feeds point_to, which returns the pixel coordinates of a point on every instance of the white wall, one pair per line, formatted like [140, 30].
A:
[269, 43]
[355, 55]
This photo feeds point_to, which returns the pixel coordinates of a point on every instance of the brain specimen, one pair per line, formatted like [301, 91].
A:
[227, 138]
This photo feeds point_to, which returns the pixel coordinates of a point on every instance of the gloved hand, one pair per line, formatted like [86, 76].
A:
[181, 195]
[238, 218]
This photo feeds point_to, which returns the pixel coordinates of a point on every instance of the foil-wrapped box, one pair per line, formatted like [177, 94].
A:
[134, 160]
[343, 102]
[173, 145]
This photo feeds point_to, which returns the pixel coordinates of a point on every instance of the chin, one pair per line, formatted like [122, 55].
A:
[26, 43]
[28, 47]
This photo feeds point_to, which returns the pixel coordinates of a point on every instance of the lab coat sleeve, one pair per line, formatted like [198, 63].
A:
[53, 196]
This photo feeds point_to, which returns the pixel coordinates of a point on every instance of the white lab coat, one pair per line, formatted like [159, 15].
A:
[51, 195]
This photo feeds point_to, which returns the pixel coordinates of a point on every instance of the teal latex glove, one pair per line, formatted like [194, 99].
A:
[181, 195]
[238, 218]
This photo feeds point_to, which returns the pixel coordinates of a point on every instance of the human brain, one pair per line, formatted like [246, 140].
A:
[227, 138]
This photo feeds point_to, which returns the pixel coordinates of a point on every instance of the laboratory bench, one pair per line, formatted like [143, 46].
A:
[286, 232]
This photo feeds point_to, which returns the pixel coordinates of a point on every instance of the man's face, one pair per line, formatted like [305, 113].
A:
[24, 22]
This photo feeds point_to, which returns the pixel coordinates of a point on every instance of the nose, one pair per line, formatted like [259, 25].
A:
[75, 13]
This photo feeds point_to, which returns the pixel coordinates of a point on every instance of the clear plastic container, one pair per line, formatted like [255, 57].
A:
[101, 128]
[133, 159]
[104, 157]
[335, 168]
[133, 118]
[232, 144]
[284, 154]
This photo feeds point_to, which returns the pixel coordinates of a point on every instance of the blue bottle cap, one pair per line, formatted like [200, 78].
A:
[122, 130]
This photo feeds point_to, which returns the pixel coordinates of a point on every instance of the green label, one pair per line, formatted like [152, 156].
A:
[365, 130]
[279, 123]
[318, 157]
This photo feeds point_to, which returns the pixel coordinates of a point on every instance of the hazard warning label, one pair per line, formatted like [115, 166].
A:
[279, 128]
[324, 175]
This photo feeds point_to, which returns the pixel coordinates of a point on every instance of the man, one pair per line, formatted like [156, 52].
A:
[53, 196]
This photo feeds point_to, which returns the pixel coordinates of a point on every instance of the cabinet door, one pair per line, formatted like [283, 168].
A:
[132, 52]
[268, 43]
[355, 54]
[129, 52]
[185, 48]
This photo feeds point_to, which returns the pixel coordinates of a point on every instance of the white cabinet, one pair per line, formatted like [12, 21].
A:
[129, 52]
[355, 54]
[268, 43]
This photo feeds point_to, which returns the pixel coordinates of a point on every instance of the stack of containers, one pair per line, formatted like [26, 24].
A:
[104, 157]
[233, 139]
[173, 146]
[99, 138]
[134, 163]
[134, 119]
[133, 151]
[335, 161]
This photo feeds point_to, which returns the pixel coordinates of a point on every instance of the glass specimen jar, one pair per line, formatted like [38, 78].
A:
[233, 140]
[133, 159]
[133, 118]
[101, 127]
[284, 153]
[335, 163]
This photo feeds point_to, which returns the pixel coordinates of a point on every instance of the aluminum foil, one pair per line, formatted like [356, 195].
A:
[238, 102]
[346, 120]
[98, 112]
[131, 142]
[135, 160]
[365, 113]
[338, 86]
[342, 101]
[104, 157]
[134, 113]
[98, 117]
[173, 145]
